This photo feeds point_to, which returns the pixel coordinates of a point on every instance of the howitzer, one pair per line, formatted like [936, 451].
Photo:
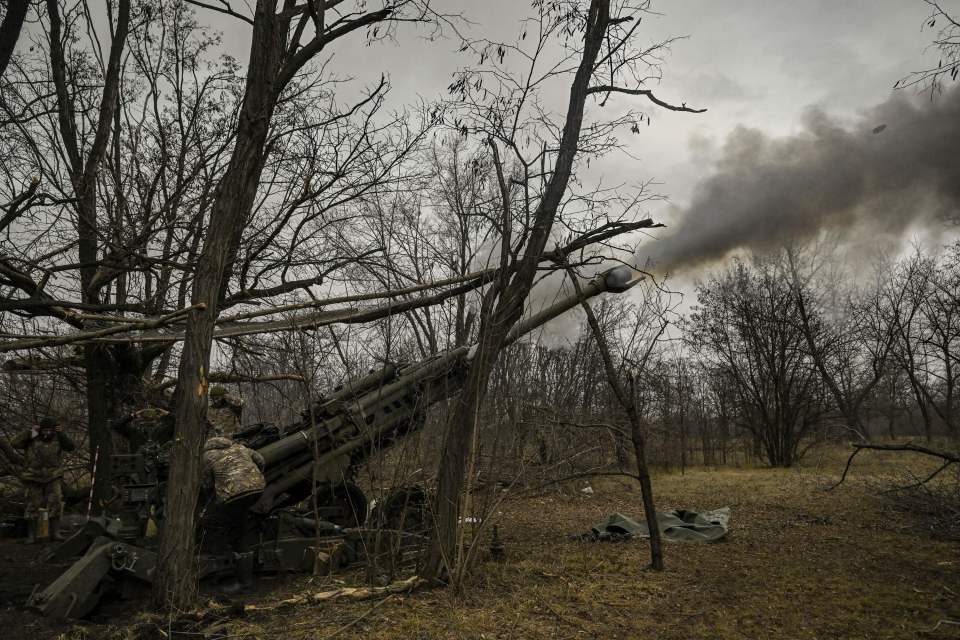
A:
[315, 457]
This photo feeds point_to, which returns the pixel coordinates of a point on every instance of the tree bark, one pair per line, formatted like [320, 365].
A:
[10, 30]
[626, 397]
[497, 321]
[115, 377]
[175, 586]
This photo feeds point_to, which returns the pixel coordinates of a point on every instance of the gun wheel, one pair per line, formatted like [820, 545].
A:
[404, 509]
[342, 504]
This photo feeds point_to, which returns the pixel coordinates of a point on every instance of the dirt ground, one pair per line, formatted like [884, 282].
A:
[799, 563]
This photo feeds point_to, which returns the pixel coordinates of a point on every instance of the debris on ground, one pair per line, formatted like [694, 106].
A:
[348, 593]
[679, 525]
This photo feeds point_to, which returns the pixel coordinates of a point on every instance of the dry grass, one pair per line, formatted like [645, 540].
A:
[799, 563]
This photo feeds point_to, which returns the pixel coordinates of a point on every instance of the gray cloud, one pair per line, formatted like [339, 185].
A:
[719, 87]
[766, 191]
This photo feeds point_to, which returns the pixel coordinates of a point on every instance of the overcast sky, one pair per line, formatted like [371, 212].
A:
[760, 64]
[755, 64]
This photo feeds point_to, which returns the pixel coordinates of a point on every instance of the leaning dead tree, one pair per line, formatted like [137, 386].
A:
[949, 458]
[627, 397]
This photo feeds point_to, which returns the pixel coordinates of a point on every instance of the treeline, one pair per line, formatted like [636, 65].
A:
[776, 354]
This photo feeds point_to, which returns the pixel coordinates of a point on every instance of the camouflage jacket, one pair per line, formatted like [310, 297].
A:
[223, 420]
[43, 459]
[233, 469]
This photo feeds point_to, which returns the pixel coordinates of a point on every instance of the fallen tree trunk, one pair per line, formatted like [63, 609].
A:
[948, 457]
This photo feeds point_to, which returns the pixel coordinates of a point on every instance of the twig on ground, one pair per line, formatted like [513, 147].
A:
[955, 623]
[348, 593]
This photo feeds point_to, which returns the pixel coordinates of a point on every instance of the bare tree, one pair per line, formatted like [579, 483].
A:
[142, 149]
[913, 297]
[278, 53]
[626, 396]
[746, 326]
[598, 43]
[946, 43]
[83, 159]
[925, 313]
[851, 349]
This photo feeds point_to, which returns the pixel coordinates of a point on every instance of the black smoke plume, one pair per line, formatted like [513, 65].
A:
[898, 166]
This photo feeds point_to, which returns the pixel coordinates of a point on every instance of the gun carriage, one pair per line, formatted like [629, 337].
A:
[314, 458]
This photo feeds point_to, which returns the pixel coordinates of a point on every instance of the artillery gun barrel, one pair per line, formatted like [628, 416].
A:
[358, 404]
[352, 388]
[337, 433]
[385, 405]
[616, 280]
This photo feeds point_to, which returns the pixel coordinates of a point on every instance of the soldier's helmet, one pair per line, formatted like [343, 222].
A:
[150, 413]
[219, 397]
[49, 422]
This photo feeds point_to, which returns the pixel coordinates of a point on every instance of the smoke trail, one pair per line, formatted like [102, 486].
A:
[899, 165]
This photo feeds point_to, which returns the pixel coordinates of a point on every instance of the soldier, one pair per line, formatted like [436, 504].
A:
[235, 473]
[151, 424]
[225, 412]
[43, 449]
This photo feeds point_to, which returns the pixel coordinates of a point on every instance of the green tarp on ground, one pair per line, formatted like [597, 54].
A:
[678, 525]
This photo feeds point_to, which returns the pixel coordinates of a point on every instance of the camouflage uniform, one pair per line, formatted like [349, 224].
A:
[151, 424]
[223, 420]
[235, 473]
[233, 469]
[43, 471]
[224, 413]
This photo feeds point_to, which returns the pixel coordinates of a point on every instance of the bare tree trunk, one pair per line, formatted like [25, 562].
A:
[105, 379]
[10, 30]
[496, 322]
[113, 383]
[272, 66]
[626, 397]
[175, 586]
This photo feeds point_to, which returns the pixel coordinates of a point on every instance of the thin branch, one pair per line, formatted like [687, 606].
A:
[226, 10]
[644, 92]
